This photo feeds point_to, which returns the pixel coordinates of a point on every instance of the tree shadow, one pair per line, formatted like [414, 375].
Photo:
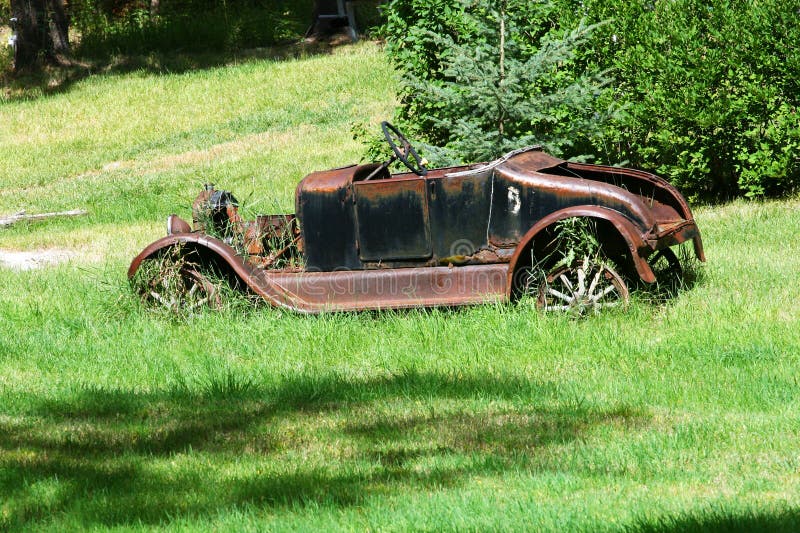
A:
[103, 456]
[784, 520]
[51, 80]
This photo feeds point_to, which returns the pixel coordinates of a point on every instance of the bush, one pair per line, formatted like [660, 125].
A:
[713, 92]
[481, 79]
[709, 88]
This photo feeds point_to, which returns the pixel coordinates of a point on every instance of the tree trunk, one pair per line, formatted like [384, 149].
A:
[59, 29]
[42, 31]
[31, 34]
[500, 87]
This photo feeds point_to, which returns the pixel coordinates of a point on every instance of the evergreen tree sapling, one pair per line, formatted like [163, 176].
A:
[502, 85]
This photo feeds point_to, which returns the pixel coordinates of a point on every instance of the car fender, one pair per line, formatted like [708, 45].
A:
[627, 230]
[196, 240]
[217, 250]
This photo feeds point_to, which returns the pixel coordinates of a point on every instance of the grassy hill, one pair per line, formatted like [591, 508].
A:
[673, 416]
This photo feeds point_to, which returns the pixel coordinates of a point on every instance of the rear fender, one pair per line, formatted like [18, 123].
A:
[626, 229]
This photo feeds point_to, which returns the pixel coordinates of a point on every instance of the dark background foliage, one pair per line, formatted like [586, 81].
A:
[130, 27]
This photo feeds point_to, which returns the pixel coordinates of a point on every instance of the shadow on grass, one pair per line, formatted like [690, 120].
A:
[721, 521]
[56, 79]
[115, 457]
[674, 276]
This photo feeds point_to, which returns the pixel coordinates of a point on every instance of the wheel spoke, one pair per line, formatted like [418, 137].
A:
[560, 295]
[198, 303]
[582, 278]
[567, 283]
[160, 299]
[603, 292]
[194, 288]
[593, 284]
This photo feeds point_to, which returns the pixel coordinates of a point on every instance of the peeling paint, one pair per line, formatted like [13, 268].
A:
[514, 203]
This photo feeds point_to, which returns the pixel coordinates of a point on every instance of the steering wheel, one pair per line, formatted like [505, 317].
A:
[397, 141]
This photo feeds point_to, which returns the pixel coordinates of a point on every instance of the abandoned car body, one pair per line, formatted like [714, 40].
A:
[363, 238]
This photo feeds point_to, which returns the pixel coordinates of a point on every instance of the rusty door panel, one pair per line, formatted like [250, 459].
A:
[325, 208]
[459, 214]
[392, 219]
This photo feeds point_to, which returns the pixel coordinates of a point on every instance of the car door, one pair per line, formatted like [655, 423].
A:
[459, 213]
[392, 218]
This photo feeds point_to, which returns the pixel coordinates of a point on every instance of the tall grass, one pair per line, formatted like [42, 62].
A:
[677, 416]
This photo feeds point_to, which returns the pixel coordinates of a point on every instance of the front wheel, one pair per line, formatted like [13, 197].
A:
[587, 286]
[176, 283]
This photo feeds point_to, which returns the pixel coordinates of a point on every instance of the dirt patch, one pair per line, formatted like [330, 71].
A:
[17, 260]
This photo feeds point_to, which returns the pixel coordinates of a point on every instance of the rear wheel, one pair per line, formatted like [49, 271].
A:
[588, 286]
[669, 273]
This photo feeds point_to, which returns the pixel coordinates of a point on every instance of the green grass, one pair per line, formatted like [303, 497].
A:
[675, 417]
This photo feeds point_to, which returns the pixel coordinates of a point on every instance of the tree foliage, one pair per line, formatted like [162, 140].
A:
[141, 26]
[709, 89]
[714, 91]
[480, 80]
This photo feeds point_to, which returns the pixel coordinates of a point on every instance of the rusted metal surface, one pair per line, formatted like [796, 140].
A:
[370, 240]
[630, 233]
[349, 290]
[400, 288]
[392, 219]
[324, 205]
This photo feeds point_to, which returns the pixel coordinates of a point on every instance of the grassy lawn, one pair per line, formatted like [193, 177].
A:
[681, 416]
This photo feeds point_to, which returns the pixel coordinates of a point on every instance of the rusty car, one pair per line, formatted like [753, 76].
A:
[364, 238]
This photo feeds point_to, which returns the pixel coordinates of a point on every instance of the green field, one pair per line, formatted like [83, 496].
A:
[674, 416]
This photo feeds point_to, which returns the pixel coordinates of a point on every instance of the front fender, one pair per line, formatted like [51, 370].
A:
[199, 241]
[627, 230]
[217, 249]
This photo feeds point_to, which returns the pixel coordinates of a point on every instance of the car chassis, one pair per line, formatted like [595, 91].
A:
[364, 238]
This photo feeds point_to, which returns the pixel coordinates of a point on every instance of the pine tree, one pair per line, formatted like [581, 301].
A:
[506, 86]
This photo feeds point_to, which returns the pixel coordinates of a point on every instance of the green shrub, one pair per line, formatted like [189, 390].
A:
[710, 89]
[483, 78]
[713, 93]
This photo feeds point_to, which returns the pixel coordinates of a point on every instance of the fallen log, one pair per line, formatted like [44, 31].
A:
[24, 217]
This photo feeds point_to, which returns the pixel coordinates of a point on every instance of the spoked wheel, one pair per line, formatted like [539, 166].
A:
[174, 283]
[588, 286]
[185, 291]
